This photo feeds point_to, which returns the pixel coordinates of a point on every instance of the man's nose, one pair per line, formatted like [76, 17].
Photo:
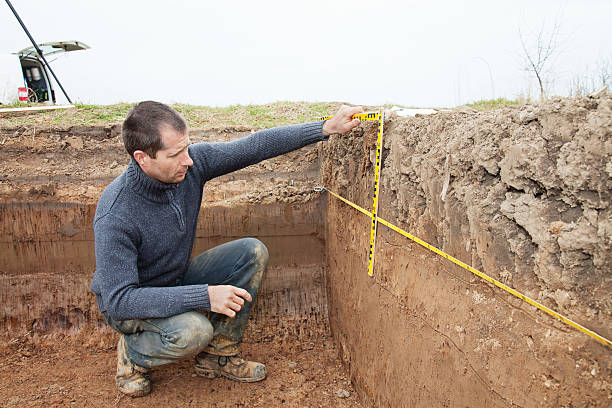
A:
[187, 160]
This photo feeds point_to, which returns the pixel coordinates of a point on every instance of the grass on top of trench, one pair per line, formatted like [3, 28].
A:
[250, 116]
[490, 104]
[199, 117]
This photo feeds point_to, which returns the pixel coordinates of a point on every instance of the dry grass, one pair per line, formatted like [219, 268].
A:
[491, 104]
[251, 116]
[255, 116]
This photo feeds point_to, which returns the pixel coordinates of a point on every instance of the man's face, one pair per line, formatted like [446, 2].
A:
[172, 161]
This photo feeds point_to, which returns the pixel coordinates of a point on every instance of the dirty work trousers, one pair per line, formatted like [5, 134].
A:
[154, 342]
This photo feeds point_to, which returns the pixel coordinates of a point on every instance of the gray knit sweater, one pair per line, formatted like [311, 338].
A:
[144, 229]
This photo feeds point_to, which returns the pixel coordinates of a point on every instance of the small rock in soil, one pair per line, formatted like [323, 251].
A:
[342, 393]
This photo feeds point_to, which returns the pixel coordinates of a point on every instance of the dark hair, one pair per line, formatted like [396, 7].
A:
[141, 127]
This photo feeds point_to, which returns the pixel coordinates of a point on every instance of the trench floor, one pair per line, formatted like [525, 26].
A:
[79, 371]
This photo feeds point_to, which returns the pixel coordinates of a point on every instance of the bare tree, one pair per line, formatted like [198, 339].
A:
[539, 51]
[577, 86]
[604, 72]
[591, 80]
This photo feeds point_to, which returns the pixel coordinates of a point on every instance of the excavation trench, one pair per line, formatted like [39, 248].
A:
[49, 258]
[522, 194]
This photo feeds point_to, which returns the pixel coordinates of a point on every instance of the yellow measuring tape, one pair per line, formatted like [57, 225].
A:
[454, 260]
[380, 118]
[360, 116]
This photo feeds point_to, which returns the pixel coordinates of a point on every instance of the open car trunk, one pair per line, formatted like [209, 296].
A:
[35, 73]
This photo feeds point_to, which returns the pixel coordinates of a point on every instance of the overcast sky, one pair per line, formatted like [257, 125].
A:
[414, 53]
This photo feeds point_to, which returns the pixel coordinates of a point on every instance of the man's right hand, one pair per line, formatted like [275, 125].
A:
[227, 299]
[343, 121]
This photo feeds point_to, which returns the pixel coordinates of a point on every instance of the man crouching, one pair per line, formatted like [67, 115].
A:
[146, 284]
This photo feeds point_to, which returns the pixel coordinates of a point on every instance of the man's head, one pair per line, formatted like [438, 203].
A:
[156, 136]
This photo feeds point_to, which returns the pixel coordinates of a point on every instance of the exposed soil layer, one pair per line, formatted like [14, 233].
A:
[48, 261]
[522, 194]
[75, 164]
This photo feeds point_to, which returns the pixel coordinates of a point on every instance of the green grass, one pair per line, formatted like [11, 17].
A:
[251, 116]
[490, 104]
[254, 116]
[20, 105]
[202, 117]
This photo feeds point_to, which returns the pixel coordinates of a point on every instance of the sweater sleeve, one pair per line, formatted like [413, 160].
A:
[216, 159]
[116, 278]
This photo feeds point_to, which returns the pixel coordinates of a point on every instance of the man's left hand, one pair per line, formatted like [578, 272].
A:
[343, 121]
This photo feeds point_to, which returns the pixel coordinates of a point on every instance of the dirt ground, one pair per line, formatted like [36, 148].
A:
[78, 371]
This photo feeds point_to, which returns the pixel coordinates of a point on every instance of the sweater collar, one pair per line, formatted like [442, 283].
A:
[146, 186]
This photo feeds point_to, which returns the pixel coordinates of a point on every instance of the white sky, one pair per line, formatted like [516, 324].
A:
[414, 53]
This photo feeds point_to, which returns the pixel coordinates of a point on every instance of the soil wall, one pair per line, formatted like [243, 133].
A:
[523, 195]
[50, 181]
[48, 261]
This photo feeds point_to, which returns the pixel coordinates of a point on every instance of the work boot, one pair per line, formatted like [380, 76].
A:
[233, 367]
[131, 379]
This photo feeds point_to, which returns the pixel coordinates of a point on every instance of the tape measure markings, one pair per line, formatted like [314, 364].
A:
[360, 116]
[379, 138]
[380, 117]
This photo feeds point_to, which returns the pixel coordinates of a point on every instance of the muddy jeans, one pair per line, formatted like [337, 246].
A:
[154, 342]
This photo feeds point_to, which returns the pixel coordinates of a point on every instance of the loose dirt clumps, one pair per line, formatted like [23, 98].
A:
[537, 178]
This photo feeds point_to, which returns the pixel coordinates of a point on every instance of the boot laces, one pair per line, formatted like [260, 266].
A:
[223, 360]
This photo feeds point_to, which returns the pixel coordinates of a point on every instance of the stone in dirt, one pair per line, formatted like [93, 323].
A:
[342, 393]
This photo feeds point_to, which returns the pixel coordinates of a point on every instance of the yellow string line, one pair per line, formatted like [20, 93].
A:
[478, 273]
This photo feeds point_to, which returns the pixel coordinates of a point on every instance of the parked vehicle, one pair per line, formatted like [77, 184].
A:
[24, 77]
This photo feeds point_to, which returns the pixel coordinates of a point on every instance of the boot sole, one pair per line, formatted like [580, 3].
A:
[208, 373]
[136, 394]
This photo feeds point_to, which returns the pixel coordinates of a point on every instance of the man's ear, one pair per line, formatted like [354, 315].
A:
[141, 158]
